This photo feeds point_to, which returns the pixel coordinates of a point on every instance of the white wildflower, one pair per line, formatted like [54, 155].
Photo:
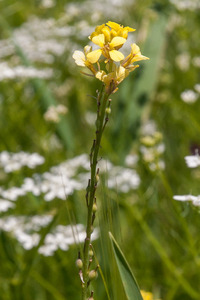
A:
[53, 113]
[63, 237]
[48, 3]
[14, 161]
[192, 161]
[13, 193]
[8, 72]
[194, 199]
[183, 61]
[189, 96]
[131, 160]
[5, 205]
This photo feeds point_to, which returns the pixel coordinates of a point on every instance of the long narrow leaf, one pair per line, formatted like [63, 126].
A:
[129, 282]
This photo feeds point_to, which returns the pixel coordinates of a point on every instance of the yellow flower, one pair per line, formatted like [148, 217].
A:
[108, 50]
[81, 59]
[134, 56]
[116, 30]
[119, 29]
[113, 79]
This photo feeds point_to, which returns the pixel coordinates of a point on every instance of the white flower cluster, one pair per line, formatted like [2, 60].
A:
[186, 4]
[5, 205]
[8, 72]
[25, 230]
[53, 113]
[48, 3]
[114, 7]
[64, 179]
[15, 161]
[189, 96]
[40, 40]
[192, 161]
[183, 61]
[63, 237]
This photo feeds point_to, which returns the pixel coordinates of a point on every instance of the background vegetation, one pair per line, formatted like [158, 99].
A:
[158, 235]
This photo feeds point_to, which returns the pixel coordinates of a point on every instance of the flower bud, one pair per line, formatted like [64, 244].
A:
[96, 178]
[79, 263]
[108, 110]
[93, 275]
[91, 253]
[94, 208]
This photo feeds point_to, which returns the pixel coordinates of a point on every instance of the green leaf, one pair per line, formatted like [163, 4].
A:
[131, 287]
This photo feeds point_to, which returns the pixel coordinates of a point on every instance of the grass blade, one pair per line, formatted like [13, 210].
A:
[129, 282]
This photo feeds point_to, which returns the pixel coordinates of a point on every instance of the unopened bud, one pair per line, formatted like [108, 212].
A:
[93, 275]
[91, 253]
[79, 263]
[96, 178]
[94, 208]
[108, 110]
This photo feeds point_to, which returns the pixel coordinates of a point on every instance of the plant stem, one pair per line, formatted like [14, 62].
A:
[92, 185]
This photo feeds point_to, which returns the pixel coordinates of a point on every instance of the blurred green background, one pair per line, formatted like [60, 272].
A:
[154, 124]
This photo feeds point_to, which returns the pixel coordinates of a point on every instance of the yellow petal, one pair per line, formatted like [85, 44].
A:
[138, 58]
[93, 56]
[135, 49]
[79, 58]
[99, 40]
[121, 73]
[113, 25]
[100, 75]
[87, 49]
[129, 28]
[116, 55]
[117, 41]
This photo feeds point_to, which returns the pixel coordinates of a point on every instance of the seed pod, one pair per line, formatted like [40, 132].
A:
[79, 263]
[96, 178]
[108, 110]
[93, 275]
[91, 253]
[94, 208]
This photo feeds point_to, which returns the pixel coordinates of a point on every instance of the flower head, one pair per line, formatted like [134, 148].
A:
[110, 37]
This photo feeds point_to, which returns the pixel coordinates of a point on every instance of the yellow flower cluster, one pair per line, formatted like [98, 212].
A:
[110, 38]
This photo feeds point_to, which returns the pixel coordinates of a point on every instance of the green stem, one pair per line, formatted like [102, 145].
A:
[92, 187]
